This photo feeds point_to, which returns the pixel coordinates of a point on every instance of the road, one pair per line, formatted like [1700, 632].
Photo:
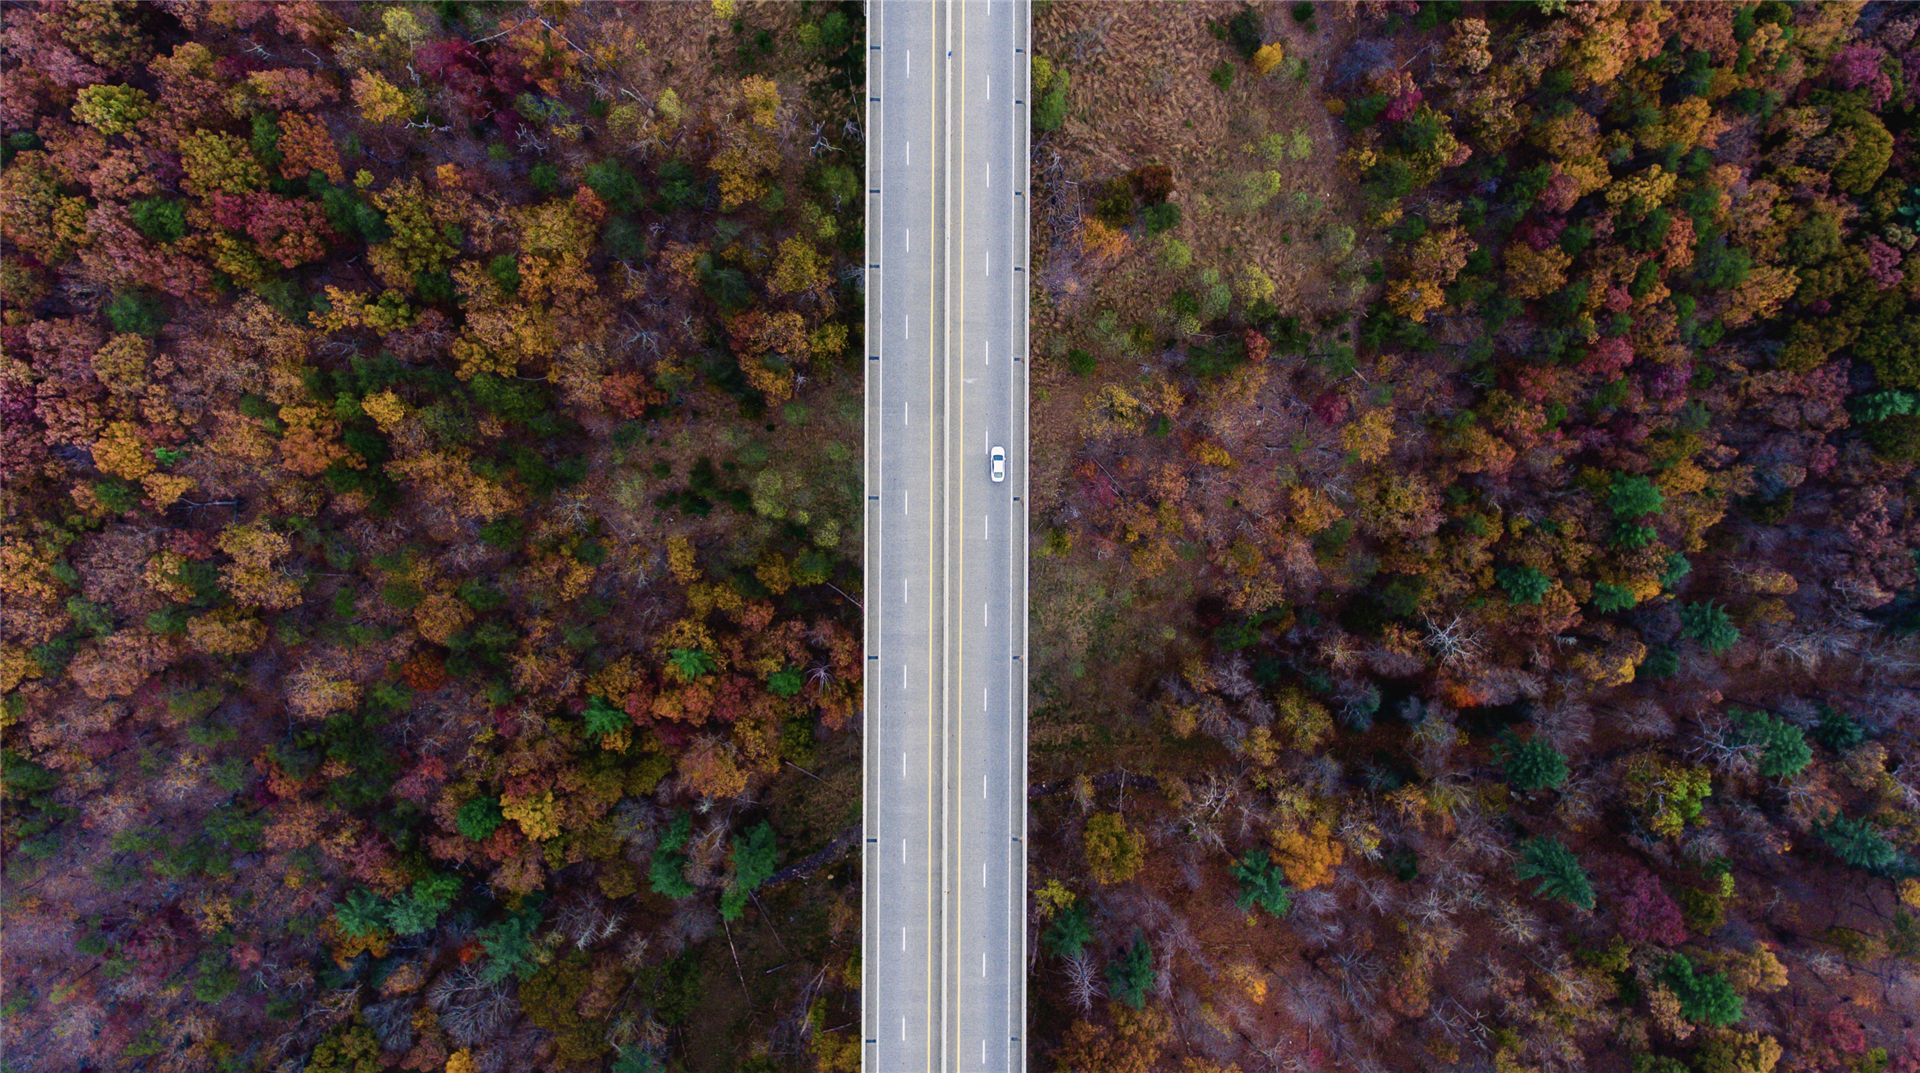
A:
[944, 925]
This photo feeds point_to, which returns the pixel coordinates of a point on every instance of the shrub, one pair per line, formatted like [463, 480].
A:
[1243, 32]
[1161, 217]
[1050, 109]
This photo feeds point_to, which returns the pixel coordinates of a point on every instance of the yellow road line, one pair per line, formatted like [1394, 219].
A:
[960, 570]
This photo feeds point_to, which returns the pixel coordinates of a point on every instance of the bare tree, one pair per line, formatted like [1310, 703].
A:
[1083, 983]
[392, 1022]
[472, 1012]
[1433, 742]
[586, 920]
[1567, 723]
[1359, 974]
[1517, 924]
[1456, 644]
[1309, 999]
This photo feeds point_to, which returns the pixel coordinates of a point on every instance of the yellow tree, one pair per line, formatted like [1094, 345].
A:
[1132, 1045]
[748, 154]
[1370, 437]
[798, 269]
[420, 243]
[252, 579]
[379, 100]
[1114, 852]
[1308, 853]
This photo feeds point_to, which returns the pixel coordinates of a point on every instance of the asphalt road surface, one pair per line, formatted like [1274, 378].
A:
[944, 934]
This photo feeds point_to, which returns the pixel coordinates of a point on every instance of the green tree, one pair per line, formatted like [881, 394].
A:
[478, 818]
[1705, 998]
[348, 1049]
[136, 312]
[420, 908]
[361, 915]
[160, 219]
[615, 185]
[1524, 584]
[1871, 148]
[1558, 870]
[786, 682]
[603, 717]
[691, 662]
[1709, 625]
[1858, 845]
[1261, 884]
[1676, 569]
[754, 858]
[509, 947]
[631, 1058]
[1783, 746]
[1608, 598]
[1838, 730]
[1532, 764]
[667, 874]
[1071, 931]
[1634, 497]
[1131, 974]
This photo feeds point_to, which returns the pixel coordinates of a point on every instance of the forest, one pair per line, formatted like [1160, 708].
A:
[429, 546]
[1475, 537]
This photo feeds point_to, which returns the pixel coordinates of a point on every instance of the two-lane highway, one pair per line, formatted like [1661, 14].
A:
[944, 932]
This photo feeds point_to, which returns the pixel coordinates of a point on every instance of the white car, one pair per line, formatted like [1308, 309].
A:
[999, 458]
